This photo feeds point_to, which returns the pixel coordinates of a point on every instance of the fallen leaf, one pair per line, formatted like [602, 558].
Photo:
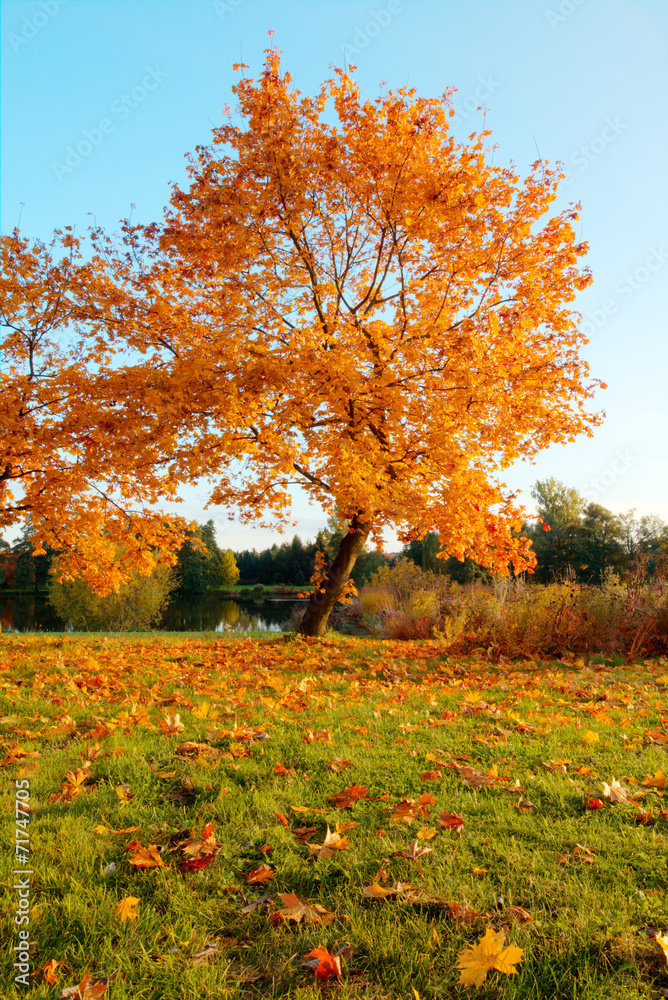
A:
[282, 819]
[486, 955]
[615, 792]
[375, 891]
[297, 910]
[333, 842]
[662, 941]
[89, 988]
[339, 764]
[127, 909]
[48, 970]
[147, 857]
[414, 852]
[348, 797]
[326, 965]
[451, 821]
[260, 875]
[590, 737]
[171, 724]
[124, 793]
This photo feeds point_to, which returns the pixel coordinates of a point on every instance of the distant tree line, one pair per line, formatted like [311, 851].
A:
[569, 537]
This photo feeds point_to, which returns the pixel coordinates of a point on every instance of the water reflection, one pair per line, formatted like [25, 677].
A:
[200, 613]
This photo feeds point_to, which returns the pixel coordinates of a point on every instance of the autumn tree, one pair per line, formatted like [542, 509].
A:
[347, 298]
[85, 451]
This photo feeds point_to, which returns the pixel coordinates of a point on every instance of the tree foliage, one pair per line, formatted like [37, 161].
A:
[343, 297]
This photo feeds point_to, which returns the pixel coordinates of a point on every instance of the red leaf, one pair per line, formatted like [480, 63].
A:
[451, 821]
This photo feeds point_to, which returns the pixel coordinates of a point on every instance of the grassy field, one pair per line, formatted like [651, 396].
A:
[205, 812]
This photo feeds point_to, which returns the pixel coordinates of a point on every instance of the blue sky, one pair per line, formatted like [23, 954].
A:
[137, 84]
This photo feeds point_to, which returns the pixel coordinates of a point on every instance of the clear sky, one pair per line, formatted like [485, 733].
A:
[136, 84]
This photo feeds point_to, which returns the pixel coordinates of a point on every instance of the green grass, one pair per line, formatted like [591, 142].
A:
[397, 710]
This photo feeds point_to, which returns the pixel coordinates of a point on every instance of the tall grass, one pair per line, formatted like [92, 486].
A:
[512, 618]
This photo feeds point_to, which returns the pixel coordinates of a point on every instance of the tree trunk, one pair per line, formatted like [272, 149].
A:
[321, 603]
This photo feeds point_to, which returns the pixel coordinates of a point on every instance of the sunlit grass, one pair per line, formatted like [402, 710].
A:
[410, 719]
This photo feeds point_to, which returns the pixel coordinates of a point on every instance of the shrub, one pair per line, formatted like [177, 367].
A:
[137, 605]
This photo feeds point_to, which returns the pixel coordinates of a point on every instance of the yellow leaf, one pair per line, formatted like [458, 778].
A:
[590, 737]
[126, 909]
[662, 941]
[480, 871]
[486, 955]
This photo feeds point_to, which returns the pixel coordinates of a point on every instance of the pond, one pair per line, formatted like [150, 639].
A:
[198, 613]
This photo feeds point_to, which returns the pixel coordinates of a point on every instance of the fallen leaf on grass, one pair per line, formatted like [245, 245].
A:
[409, 809]
[615, 792]
[332, 842]
[523, 805]
[48, 970]
[326, 965]
[414, 852]
[260, 875]
[520, 914]
[339, 764]
[89, 988]
[451, 821]
[192, 749]
[304, 833]
[146, 857]
[74, 785]
[127, 909]
[375, 891]
[590, 737]
[195, 864]
[124, 793]
[662, 941]
[282, 819]
[282, 769]
[171, 724]
[348, 797]
[426, 833]
[593, 804]
[475, 778]
[297, 910]
[486, 955]
[197, 848]
[430, 775]
[656, 780]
